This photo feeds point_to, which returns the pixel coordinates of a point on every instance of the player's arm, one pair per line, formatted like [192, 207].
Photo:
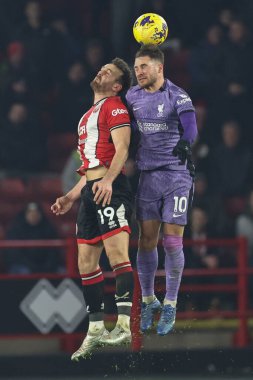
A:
[186, 114]
[103, 189]
[189, 124]
[121, 141]
[183, 147]
[64, 203]
[135, 134]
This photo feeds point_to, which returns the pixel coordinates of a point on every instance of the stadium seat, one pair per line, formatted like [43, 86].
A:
[178, 68]
[234, 206]
[64, 224]
[44, 188]
[12, 189]
[9, 209]
[66, 229]
[60, 147]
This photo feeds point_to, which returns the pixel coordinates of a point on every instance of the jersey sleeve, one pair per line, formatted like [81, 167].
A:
[117, 114]
[134, 126]
[128, 98]
[182, 102]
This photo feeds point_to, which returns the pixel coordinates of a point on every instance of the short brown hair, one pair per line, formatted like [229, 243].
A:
[126, 78]
[151, 51]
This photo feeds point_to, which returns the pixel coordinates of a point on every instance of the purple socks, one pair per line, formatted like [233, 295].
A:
[147, 263]
[174, 265]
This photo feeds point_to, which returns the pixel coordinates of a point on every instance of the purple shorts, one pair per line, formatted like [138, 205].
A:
[164, 195]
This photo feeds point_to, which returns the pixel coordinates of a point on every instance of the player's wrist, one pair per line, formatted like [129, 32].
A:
[184, 143]
[109, 178]
[70, 197]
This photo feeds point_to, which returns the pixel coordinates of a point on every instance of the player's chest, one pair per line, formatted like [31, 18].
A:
[152, 109]
[91, 123]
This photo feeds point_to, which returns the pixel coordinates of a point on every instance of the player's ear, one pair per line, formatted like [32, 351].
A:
[117, 87]
[160, 68]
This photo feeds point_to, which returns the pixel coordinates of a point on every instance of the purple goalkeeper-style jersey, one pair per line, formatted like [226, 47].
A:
[157, 118]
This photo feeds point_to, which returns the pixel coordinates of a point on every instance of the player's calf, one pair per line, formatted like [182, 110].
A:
[121, 334]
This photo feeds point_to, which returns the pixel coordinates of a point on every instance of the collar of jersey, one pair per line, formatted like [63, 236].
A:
[162, 88]
[106, 97]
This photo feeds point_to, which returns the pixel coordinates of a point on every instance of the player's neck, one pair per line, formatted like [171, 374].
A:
[100, 96]
[156, 86]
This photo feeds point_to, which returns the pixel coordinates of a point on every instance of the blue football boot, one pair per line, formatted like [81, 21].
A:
[148, 310]
[167, 320]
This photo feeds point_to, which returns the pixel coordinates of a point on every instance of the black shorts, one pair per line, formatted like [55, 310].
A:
[95, 222]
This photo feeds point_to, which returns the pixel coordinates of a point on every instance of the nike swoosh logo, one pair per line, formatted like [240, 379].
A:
[135, 109]
[177, 215]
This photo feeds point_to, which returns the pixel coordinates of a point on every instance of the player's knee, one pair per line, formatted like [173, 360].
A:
[147, 243]
[172, 243]
[117, 255]
[86, 265]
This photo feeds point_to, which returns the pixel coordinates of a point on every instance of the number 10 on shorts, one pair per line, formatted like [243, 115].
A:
[180, 204]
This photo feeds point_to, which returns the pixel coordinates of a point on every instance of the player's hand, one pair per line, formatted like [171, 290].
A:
[182, 150]
[103, 192]
[61, 205]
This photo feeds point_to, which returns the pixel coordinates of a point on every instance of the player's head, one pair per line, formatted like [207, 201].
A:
[148, 65]
[125, 78]
[114, 77]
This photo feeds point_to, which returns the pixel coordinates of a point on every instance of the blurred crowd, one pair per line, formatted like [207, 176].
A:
[50, 50]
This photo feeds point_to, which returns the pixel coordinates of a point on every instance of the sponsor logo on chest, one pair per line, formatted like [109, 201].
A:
[152, 127]
[118, 111]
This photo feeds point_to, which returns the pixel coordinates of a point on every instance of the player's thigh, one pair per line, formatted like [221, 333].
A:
[117, 247]
[149, 234]
[115, 217]
[87, 231]
[89, 256]
[148, 210]
[149, 196]
[173, 229]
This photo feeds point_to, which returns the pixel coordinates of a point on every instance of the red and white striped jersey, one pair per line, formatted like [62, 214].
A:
[95, 144]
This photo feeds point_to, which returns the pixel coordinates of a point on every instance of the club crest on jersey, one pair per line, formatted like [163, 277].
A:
[160, 110]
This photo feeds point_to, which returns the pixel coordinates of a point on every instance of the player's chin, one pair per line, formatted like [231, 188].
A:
[143, 83]
[94, 84]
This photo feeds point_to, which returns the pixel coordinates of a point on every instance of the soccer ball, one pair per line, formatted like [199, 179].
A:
[150, 28]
